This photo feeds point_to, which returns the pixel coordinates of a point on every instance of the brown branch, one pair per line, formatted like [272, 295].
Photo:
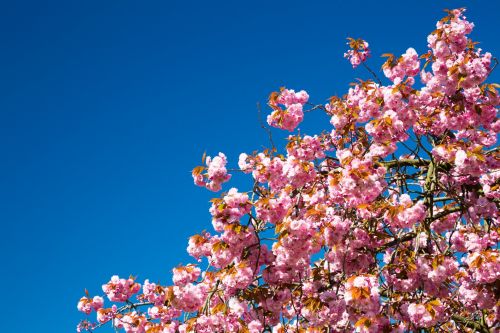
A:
[404, 162]
[372, 73]
[406, 237]
[411, 235]
[429, 187]
[492, 69]
[444, 213]
[264, 127]
[121, 310]
[315, 107]
[470, 324]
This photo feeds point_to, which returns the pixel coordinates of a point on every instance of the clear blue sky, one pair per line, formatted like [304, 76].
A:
[106, 106]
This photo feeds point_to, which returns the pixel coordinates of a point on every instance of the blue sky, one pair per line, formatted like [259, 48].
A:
[106, 106]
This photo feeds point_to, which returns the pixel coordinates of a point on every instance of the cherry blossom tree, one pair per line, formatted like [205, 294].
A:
[385, 222]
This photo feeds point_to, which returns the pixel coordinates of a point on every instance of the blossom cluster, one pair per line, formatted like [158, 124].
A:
[358, 52]
[120, 290]
[215, 175]
[86, 304]
[293, 114]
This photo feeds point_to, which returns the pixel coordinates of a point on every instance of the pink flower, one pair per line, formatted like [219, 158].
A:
[293, 115]
[425, 315]
[86, 305]
[189, 297]
[405, 214]
[120, 290]
[185, 274]
[255, 326]
[216, 173]
[229, 209]
[287, 119]
[358, 53]
[362, 292]
[105, 315]
[84, 325]
[408, 65]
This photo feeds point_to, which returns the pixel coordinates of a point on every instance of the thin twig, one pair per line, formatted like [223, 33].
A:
[264, 127]
[492, 69]
[372, 73]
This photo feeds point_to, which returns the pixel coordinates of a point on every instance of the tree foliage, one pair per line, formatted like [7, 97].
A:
[385, 222]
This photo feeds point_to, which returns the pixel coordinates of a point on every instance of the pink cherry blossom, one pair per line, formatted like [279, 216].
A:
[120, 290]
[386, 221]
[216, 173]
[358, 53]
[290, 117]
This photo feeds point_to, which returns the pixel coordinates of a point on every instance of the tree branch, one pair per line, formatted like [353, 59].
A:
[404, 162]
[470, 324]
